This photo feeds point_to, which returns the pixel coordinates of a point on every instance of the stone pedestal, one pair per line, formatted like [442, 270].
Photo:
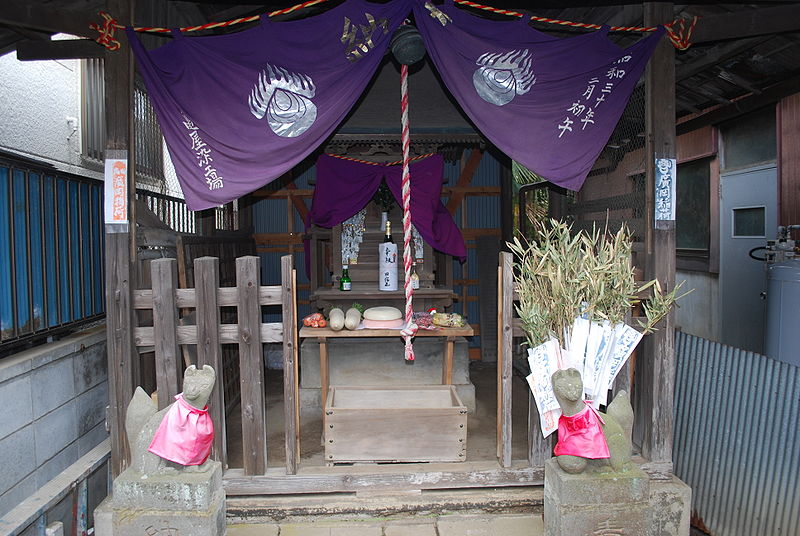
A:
[671, 505]
[181, 504]
[616, 504]
[586, 504]
[379, 361]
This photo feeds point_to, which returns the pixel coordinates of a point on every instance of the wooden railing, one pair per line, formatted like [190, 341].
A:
[209, 333]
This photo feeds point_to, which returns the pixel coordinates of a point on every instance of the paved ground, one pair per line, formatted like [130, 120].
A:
[439, 525]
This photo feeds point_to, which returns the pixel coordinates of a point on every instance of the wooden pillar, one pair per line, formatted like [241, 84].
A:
[505, 369]
[120, 241]
[655, 374]
[291, 394]
[506, 203]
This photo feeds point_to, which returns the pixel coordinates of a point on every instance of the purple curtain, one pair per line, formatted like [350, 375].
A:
[344, 187]
[239, 110]
[549, 103]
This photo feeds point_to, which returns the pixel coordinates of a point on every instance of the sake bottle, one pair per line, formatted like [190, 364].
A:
[387, 261]
[414, 276]
[344, 281]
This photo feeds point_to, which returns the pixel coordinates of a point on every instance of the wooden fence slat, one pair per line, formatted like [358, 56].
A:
[290, 394]
[209, 350]
[164, 273]
[226, 297]
[248, 272]
[507, 361]
[228, 334]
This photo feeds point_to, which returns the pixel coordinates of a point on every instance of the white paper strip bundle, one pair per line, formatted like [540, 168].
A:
[544, 361]
[597, 349]
[625, 340]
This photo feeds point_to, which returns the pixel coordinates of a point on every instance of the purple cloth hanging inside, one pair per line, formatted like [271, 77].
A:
[344, 187]
[241, 109]
[549, 103]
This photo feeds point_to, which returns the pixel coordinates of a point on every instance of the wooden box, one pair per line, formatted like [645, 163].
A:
[418, 423]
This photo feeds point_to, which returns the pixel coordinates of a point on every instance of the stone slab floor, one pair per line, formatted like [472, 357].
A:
[442, 525]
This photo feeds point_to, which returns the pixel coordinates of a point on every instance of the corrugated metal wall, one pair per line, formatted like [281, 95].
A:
[737, 442]
[51, 235]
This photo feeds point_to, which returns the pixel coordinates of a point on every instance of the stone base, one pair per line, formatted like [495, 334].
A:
[186, 503]
[591, 503]
[379, 361]
[627, 504]
[671, 503]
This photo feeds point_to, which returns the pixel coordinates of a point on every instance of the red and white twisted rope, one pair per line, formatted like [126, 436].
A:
[411, 328]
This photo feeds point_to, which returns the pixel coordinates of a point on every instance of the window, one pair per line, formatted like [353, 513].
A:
[692, 213]
[749, 222]
[93, 133]
[749, 140]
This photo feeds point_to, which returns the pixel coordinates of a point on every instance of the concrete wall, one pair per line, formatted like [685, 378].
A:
[698, 313]
[52, 411]
[40, 103]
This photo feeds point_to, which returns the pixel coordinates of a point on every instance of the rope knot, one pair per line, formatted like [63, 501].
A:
[679, 33]
[107, 30]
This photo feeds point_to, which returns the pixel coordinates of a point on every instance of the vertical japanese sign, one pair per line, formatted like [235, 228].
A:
[116, 191]
[665, 189]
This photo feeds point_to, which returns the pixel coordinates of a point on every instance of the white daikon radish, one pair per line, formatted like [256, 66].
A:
[352, 318]
[336, 319]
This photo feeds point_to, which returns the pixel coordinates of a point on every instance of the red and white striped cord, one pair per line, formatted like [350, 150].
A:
[411, 328]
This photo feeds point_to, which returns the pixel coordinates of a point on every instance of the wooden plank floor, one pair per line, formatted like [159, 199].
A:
[481, 449]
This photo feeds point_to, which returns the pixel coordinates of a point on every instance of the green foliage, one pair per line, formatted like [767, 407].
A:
[561, 276]
[523, 175]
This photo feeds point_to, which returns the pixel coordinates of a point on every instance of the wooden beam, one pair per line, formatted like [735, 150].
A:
[62, 20]
[299, 204]
[120, 243]
[464, 179]
[742, 105]
[746, 23]
[715, 55]
[656, 372]
[65, 49]
[353, 478]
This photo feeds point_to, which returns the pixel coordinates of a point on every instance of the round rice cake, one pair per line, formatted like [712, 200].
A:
[383, 313]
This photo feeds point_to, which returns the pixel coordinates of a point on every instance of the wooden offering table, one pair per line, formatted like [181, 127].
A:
[323, 334]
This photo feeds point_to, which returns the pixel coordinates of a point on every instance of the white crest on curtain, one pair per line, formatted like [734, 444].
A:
[503, 76]
[285, 98]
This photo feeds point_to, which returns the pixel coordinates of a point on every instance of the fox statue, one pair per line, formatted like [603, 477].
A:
[148, 429]
[615, 427]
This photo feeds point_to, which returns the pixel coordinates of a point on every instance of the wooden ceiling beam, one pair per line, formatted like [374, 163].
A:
[32, 15]
[747, 23]
[743, 105]
[715, 55]
[737, 80]
[66, 49]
